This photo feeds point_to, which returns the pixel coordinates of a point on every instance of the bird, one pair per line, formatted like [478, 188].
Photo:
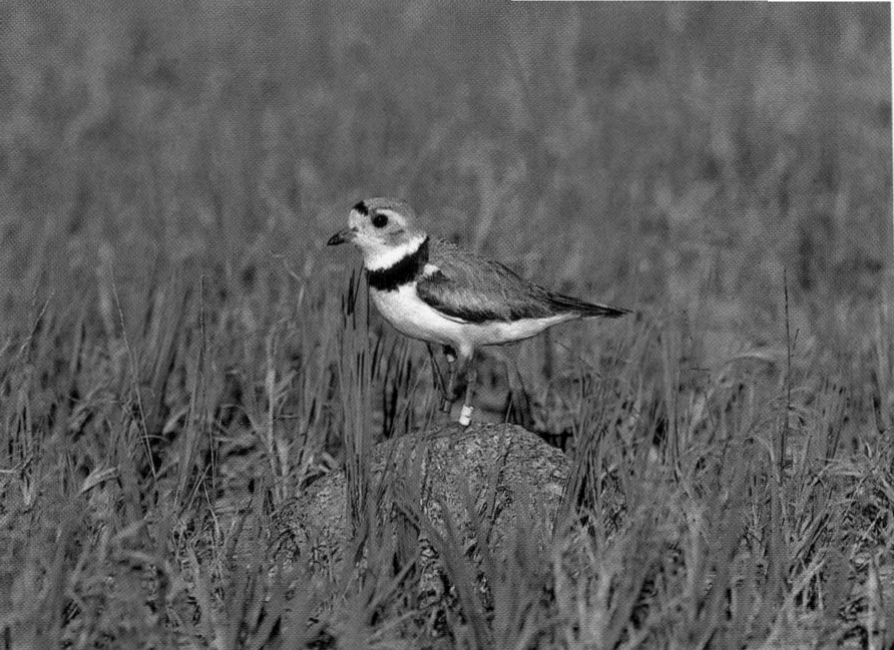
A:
[435, 291]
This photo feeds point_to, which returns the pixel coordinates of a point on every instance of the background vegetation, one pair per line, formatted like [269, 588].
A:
[170, 346]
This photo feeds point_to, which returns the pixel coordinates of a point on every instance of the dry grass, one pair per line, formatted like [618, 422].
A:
[177, 357]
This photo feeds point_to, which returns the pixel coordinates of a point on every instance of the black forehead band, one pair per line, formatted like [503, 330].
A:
[361, 208]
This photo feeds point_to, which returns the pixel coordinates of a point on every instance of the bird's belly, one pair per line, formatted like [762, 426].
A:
[497, 332]
[411, 316]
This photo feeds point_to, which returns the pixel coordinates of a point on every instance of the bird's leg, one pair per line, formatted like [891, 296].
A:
[449, 395]
[437, 375]
[465, 415]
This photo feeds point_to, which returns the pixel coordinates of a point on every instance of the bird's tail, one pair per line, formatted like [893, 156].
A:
[585, 309]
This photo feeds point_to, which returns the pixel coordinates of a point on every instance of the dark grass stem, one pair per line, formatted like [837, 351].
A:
[135, 388]
[784, 431]
[355, 378]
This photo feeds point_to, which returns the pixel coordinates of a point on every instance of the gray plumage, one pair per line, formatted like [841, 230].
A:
[475, 289]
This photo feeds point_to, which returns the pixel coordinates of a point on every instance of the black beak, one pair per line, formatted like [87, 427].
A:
[342, 236]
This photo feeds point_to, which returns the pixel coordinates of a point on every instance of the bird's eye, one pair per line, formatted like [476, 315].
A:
[379, 220]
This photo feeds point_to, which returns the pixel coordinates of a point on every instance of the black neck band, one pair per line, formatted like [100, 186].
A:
[401, 272]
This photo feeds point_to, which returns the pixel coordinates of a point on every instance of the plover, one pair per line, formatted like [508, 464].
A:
[433, 290]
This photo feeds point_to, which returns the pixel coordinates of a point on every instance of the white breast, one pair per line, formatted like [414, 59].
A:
[410, 315]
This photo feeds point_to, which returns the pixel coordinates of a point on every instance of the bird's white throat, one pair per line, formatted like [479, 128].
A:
[379, 257]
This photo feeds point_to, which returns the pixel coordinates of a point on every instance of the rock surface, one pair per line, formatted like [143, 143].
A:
[429, 484]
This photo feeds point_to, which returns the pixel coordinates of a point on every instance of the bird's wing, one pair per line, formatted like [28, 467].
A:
[464, 286]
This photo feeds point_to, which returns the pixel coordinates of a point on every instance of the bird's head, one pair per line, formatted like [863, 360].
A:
[383, 229]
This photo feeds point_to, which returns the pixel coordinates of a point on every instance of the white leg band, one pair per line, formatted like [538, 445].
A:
[465, 415]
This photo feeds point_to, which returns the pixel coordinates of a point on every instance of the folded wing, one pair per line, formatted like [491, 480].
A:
[466, 287]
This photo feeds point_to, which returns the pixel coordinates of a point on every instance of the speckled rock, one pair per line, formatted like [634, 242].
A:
[507, 476]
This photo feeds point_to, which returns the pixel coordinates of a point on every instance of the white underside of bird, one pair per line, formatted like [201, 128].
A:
[411, 315]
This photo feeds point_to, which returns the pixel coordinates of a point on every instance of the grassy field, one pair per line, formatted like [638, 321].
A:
[174, 331]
